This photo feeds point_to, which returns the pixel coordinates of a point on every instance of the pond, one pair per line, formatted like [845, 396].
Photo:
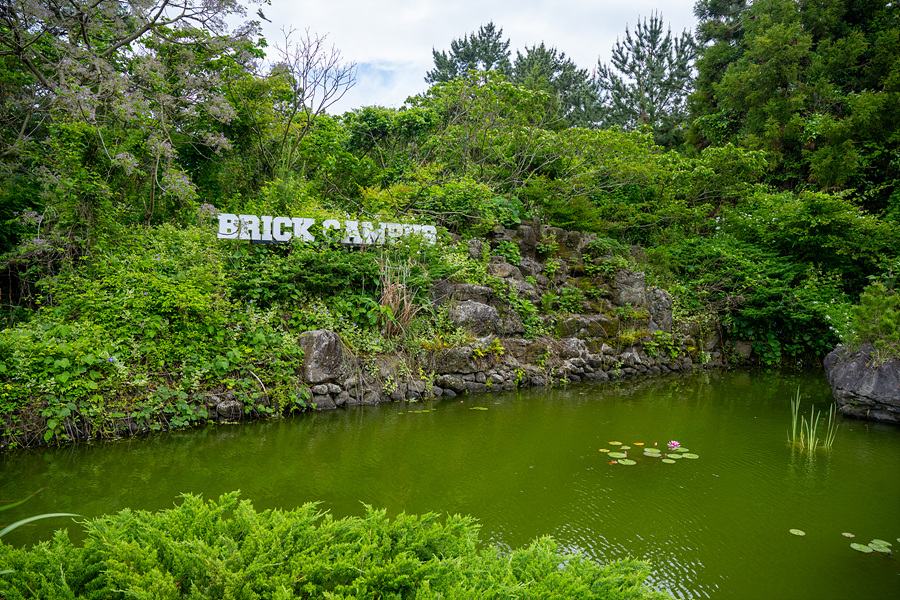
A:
[530, 465]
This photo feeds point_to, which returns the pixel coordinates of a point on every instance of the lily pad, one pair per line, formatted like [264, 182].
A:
[637, 443]
[689, 455]
[478, 408]
[878, 542]
[618, 455]
[652, 454]
[626, 461]
[861, 548]
[798, 532]
[625, 447]
[674, 456]
[603, 450]
[880, 548]
[681, 450]
[847, 535]
[616, 443]
[668, 461]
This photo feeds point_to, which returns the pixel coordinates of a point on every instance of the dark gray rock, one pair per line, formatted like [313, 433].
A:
[504, 270]
[322, 356]
[862, 388]
[454, 360]
[525, 290]
[470, 291]
[476, 388]
[570, 348]
[480, 319]
[743, 350]
[510, 323]
[629, 288]
[660, 308]
[416, 386]
[526, 240]
[230, 410]
[441, 291]
[323, 402]
[475, 246]
[387, 366]
[451, 382]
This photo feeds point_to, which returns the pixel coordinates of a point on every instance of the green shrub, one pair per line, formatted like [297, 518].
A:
[226, 549]
[509, 251]
[876, 319]
[570, 299]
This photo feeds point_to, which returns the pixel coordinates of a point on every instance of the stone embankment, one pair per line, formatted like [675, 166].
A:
[613, 325]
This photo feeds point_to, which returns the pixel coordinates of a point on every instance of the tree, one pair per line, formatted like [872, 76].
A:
[112, 90]
[815, 85]
[720, 34]
[648, 81]
[316, 77]
[482, 51]
[545, 69]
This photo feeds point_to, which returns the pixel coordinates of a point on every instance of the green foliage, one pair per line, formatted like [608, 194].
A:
[551, 268]
[111, 336]
[547, 69]
[812, 84]
[527, 311]
[509, 251]
[876, 319]
[547, 246]
[482, 51]
[647, 83]
[605, 267]
[570, 299]
[225, 549]
[662, 342]
[766, 298]
[458, 204]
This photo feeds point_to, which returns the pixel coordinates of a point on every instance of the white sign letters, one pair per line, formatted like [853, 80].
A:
[274, 230]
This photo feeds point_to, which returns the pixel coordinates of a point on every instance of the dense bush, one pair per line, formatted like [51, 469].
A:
[135, 334]
[226, 549]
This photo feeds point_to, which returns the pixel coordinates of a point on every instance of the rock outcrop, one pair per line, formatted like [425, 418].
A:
[610, 325]
[322, 356]
[863, 388]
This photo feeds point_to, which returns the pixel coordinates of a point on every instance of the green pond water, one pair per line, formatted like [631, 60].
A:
[712, 527]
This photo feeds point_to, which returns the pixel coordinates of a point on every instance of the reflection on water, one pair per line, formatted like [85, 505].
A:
[715, 527]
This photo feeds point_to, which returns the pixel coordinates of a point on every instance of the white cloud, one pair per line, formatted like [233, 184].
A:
[392, 40]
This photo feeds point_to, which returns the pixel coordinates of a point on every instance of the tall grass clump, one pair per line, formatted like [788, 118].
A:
[808, 430]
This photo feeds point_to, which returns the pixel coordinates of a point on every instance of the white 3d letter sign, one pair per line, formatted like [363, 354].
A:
[278, 230]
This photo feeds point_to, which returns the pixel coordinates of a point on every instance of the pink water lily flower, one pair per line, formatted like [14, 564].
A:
[674, 444]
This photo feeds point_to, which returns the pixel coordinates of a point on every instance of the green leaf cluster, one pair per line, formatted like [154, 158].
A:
[226, 549]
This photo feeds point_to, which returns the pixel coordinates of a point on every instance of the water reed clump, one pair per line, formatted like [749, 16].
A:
[808, 430]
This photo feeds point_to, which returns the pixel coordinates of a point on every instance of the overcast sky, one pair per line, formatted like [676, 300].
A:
[391, 40]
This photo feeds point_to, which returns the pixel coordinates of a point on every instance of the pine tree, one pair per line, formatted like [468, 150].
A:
[548, 70]
[482, 51]
[648, 82]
